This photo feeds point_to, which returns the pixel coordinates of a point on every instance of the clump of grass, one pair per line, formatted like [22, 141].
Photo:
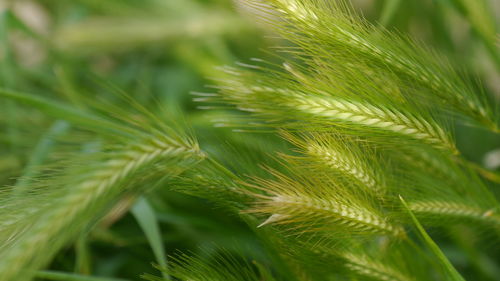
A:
[354, 119]
[81, 193]
[322, 28]
[83, 199]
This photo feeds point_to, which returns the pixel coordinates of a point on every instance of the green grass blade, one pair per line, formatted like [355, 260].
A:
[8, 77]
[64, 276]
[65, 112]
[83, 263]
[40, 153]
[482, 20]
[389, 11]
[453, 273]
[145, 216]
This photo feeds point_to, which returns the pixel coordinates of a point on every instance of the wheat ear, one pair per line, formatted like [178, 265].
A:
[315, 206]
[439, 209]
[363, 266]
[339, 155]
[329, 110]
[338, 160]
[36, 245]
[375, 117]
[385, 264]
[332, 28]
[355, 218]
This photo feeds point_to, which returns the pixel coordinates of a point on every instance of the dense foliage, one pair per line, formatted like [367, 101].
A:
[249, 140]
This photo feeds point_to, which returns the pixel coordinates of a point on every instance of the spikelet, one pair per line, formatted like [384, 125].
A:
[315, 206]
[376, 260]
[371, 116]
[282, 106]
[343, 157]
[86, 198]
[437, 210]
[364, 266]
[329, 31]
[440, 191]
[342, 162]
[222, 267]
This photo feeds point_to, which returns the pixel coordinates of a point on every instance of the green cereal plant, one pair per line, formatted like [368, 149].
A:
[80, 193]
[342, 156]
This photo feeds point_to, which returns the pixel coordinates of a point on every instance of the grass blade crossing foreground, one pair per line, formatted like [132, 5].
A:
[433, 246]
[63, 276]
[145, 216]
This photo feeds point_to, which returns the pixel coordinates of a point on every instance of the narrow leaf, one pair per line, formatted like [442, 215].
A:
[389, 10]
[453, 273]
[66, 112]
[64, 276]
[145, 216]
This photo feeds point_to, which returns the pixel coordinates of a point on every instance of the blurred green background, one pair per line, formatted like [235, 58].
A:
[158, 51]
